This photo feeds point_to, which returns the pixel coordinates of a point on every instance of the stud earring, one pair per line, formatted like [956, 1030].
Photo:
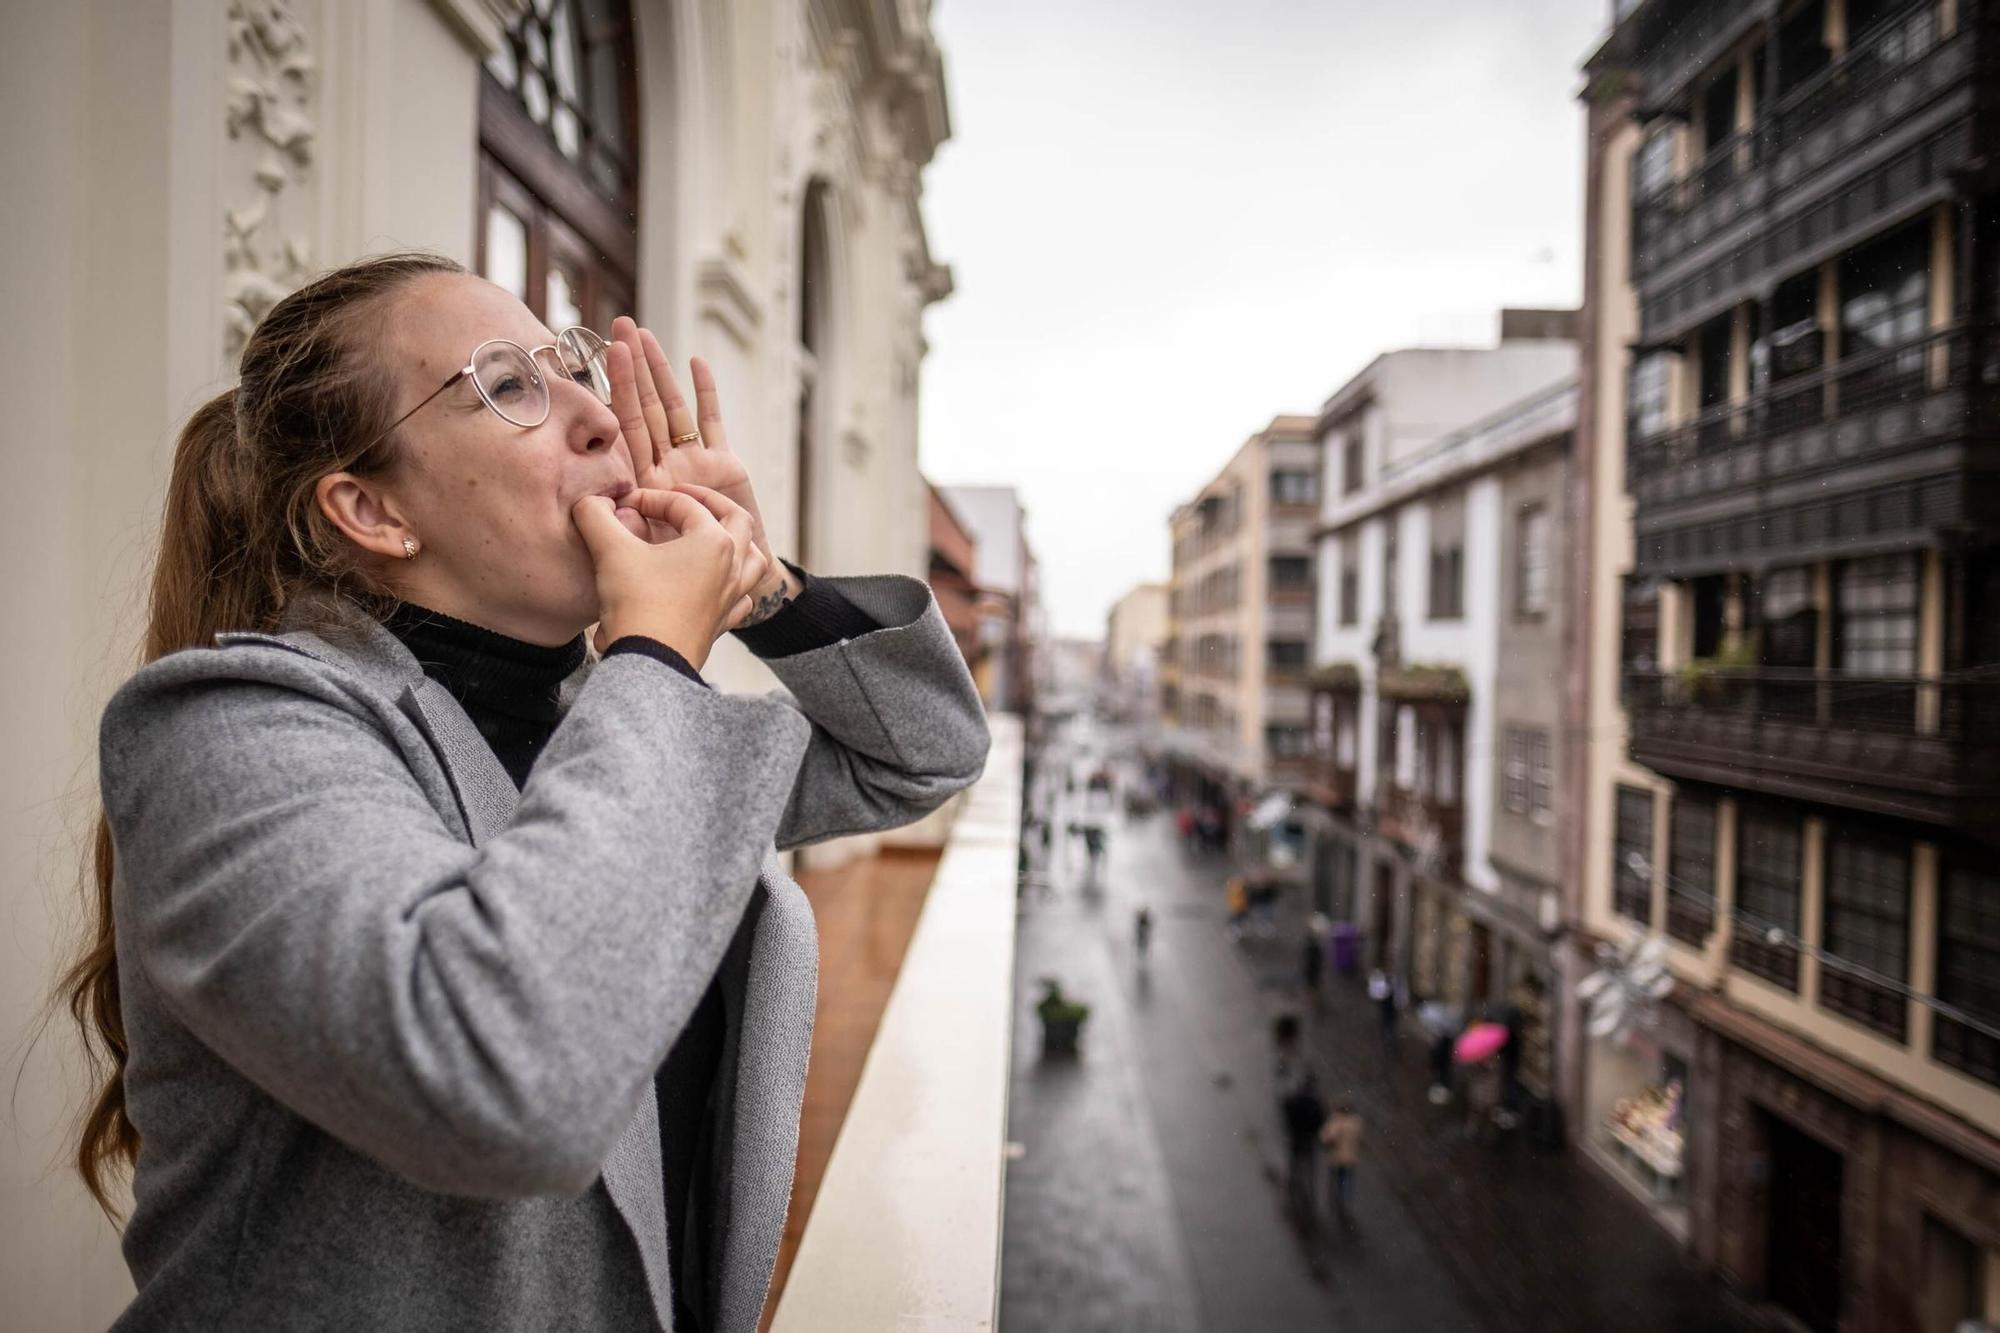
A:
[409, 548]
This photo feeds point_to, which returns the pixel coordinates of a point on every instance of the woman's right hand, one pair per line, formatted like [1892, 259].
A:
[686, 590]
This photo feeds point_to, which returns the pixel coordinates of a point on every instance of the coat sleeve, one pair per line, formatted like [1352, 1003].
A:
[897, 726]
[479, 1020]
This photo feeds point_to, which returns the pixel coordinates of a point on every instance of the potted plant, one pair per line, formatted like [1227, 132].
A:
[1062, 1019]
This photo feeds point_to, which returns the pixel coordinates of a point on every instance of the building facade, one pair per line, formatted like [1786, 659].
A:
[745, 177]
[953, 577]
[1240, 619]
[1135, 631]
[1786, 697]
[1434, 771]
[1009, 609]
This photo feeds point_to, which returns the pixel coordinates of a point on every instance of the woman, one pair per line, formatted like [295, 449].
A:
[448, 977]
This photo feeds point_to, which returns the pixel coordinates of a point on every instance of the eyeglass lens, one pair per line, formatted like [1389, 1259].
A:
[513, 385]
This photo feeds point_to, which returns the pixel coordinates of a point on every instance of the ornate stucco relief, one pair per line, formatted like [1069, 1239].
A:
[270, 101]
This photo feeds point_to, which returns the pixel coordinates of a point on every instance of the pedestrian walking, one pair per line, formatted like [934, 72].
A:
[418, 1012]
[1301, 1111]
[1312, 965]
[1383, 992]
[1340, 1137]
[1142, 930]
[1236, 898]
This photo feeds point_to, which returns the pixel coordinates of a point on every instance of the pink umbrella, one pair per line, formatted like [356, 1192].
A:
[1478, 1042]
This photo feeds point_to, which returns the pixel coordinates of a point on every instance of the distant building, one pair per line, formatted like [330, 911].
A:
[1135, 632]
[1009, 606]
[953, 576]
[1240, 610]
[1437, 682]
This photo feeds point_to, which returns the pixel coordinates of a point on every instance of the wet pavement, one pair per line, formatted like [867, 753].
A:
[1147, 1190]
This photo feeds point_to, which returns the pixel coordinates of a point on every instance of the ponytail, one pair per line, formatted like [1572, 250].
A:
[240, 536]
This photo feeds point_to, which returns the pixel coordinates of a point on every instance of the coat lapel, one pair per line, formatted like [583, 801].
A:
[772, 990]
[487, 797]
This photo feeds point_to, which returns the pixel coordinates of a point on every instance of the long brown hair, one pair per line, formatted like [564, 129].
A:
[241, 537]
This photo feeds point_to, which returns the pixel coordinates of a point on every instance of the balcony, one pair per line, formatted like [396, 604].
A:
[1434, 831]
[1919, 748]
[903, 1228]
[1878, 447]
[1871, 139]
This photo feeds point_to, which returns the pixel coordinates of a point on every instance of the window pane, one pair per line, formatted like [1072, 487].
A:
[565, 306]
[507, 251]
[1632, 856]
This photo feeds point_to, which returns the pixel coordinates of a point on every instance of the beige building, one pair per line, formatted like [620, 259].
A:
[1240, 615]
[1135, 630]
[1783, 695]
[744, 175]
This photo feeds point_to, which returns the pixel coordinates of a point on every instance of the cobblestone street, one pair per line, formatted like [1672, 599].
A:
[1147, 1189]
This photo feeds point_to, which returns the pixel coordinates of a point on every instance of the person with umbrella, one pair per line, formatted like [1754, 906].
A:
[1477, 1048]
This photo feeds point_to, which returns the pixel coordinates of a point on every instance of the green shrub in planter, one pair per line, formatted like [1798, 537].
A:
[1062, 1019]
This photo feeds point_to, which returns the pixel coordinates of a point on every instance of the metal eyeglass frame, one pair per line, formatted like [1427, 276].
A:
[593, 350]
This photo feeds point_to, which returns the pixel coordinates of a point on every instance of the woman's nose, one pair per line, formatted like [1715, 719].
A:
[592, 425]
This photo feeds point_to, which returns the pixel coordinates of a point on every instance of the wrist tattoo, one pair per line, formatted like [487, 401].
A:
[764, 607]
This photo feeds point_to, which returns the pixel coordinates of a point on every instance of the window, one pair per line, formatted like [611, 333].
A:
[1285, 742]
[1885, 299]
[1714, 343]
[558, 171]
[1527, 782]
[1290, 572]
[1653, 165]
[1447, 590]
[1292, 487]
[1867, 928]
[1802, 48]
[1691, 868]
[1444, 763]
[1968, 964]
[1878, 615]
[1646, 395]
[1639, 644]
[1346, 720]
[1718, 109]
[1285, 656]
[1389, 607]
[1350, 461]
[1632, 856]
[1769, 851]
[1532, 568]
[1350, 580]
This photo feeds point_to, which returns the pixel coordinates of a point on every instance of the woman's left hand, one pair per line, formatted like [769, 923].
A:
[653, 412]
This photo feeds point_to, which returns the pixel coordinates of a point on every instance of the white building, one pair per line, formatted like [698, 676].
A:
[744, 175]
[1437, 689]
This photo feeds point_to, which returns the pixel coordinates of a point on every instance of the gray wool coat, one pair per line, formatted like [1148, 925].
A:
[394, 1025]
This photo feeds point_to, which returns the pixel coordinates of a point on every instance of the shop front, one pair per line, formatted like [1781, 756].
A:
[1839, 1199]
[1637, 1119]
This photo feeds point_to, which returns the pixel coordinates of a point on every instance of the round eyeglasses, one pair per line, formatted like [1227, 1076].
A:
[509, 378]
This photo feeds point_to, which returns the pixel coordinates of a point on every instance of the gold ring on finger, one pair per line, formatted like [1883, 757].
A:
[685, 439]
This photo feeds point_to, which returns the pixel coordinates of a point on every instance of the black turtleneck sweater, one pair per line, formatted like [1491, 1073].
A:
[511, 691]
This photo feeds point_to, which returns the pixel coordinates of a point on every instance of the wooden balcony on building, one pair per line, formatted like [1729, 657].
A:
[1875, 137]
[1884, 447]
[1423, 825]
[1912, 747]
[1327, 782]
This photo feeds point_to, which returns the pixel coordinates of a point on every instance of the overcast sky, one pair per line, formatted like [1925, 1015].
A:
[1171, 220]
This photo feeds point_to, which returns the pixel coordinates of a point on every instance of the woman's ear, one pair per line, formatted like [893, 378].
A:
[365, 515]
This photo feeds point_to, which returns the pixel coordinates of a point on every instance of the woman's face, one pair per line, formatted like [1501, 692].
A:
[489, 501]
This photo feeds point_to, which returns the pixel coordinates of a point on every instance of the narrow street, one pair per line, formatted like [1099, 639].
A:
[1147, 1189]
